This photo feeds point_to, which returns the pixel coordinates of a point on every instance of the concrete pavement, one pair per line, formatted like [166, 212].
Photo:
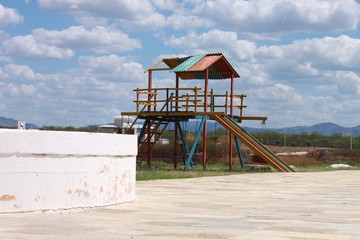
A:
[321, 205]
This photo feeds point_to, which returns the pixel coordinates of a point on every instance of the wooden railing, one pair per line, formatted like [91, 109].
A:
[172, 100]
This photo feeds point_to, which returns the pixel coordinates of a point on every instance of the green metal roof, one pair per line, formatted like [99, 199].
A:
[186, 65]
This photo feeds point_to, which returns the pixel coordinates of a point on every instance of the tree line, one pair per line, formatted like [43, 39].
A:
[313, 139]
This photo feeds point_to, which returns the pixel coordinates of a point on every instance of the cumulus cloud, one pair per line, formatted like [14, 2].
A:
[211, 39]
[308, 79]
[282, 16]
[9, 16]
[61, 44]
[258, 17]
[301, 60]
[28, 46]
[296, 78]
[311, 60]
[182, 21]
[98, 39]
[132, 14]
[288, 105]
[112, 67]
[92, 91]
[350, 84]
[18, 72]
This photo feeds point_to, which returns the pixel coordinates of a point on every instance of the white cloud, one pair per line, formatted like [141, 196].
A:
[23, 90]
[112, 68]
[312, 61]
[61, 44]
[287, 106]
[169, 5]
[98, 39]
[132, 14]
[28, 46]
[294, 80]
[282, 16]
[18, 72]
[88, 94]
[208, 40]
[310, 80]
[9, 16]
[349, 83]
[309, 61]
[260, 18]
[184, 21]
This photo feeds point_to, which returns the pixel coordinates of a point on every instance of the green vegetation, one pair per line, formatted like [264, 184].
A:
[8, 127]
[90, 128]
[215, 139]
[314, 139]
[164, 170]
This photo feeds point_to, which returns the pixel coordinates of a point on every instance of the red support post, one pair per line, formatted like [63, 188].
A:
[231, 115]
[176, 125]
[205, 111]
[148, 130]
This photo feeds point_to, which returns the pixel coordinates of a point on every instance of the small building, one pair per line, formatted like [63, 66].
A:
[122, 125]
[108, 128]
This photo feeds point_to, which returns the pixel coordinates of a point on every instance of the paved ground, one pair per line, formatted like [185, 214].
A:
[250, 206]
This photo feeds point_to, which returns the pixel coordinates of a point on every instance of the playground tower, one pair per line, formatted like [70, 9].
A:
[158, 107]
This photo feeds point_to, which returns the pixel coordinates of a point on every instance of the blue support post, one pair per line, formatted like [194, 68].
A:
[183, 139]
[167, 101]
[195, 143]
[239, 152]
[142, 131]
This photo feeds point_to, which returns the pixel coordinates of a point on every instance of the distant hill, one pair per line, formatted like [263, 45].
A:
[12, 123]
[325, 128]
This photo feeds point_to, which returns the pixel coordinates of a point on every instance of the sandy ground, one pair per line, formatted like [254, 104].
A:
[323, 205]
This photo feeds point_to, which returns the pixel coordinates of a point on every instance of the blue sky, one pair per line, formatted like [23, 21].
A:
[75, 62]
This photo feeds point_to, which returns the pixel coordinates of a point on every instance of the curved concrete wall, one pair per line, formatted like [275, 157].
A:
[43, 170]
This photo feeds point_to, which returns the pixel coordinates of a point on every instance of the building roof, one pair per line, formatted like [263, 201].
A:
[193, 67]
[108, 126]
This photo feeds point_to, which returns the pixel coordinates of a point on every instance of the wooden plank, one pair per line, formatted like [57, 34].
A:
[171, 114]
[251, 118]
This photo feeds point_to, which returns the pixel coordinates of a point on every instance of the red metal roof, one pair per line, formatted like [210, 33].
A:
[204, 63]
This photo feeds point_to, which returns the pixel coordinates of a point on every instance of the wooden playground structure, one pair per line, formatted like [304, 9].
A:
[158, 107]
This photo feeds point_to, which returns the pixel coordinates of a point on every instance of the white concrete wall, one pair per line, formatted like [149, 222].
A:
[42, 170]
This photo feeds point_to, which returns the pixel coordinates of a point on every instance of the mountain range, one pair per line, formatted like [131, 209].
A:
[325, 128]
[12, 123]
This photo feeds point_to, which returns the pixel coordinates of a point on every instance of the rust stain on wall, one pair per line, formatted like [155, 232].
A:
[83, 193]
[105, 169]
[6, 198]
[129, 188]
[115, 188]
